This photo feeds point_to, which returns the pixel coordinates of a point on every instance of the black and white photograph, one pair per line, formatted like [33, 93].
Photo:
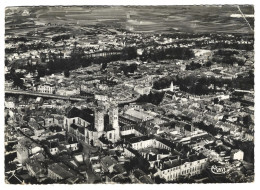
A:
[129, 94]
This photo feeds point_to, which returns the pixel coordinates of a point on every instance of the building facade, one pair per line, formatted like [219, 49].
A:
[172, 170]
[90, 127]
[46, 88]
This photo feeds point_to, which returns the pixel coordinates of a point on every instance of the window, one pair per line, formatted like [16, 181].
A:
[73, 120]
[110, 136]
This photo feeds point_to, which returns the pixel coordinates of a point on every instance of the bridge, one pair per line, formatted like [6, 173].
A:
[56, 96]
[45, 95]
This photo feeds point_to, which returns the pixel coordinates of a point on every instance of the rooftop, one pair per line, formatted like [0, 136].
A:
[61, 170]
[139, 139]
[108, 161]
[138, 114]
[85, 114]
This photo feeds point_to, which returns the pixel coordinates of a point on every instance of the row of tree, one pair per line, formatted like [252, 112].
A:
[79, 59]
[167, 53]
[60, 37]
[247, 47]
[226, 52]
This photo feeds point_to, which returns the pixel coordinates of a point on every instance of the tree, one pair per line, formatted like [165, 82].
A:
[41, 71]
[154, 98]
[193, 66]
[104, 66]
[67, 73]
[208, 64]
[129, 53]
[216, 100]
[144, 56]
[132, 68]
[247, 120]
[18, 82]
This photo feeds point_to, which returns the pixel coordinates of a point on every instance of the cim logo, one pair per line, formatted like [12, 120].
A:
[218, 169]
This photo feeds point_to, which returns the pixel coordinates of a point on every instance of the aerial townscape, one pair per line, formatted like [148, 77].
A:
[129, 94]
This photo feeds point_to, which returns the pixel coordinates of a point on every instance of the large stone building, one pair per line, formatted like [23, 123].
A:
[172, 169]
[45, 88]
[93, 126]
[25, 149]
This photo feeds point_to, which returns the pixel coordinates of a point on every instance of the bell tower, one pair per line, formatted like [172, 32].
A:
[99, 119]
[113, 120]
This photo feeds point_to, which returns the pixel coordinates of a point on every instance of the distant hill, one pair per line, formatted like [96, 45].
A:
[141, 18]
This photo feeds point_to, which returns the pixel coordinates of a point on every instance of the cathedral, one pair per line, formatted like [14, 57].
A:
[93, 125]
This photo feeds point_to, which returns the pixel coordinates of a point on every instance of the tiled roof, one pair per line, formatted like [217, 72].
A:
[61, 170]
[108, 161]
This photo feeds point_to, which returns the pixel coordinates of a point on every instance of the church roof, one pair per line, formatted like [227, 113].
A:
[85, 114]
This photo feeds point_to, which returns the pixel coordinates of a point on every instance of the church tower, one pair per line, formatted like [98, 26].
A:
[99, 119]
[113, 120]
[171, 87]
